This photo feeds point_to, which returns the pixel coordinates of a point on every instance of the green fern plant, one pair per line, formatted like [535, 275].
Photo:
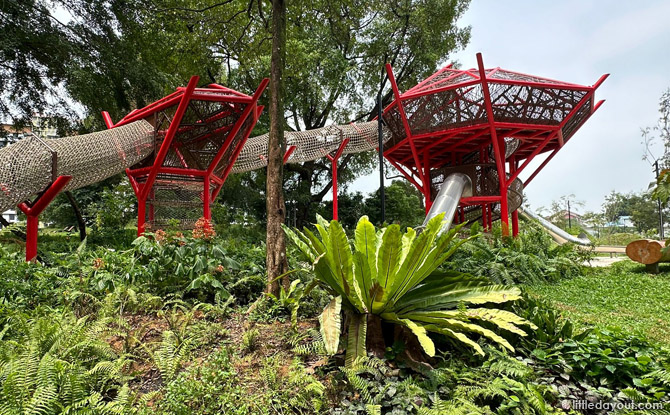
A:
[392, 275]
[170, 354]
[61, 365]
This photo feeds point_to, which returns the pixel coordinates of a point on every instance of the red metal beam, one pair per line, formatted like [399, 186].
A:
[433, 76]
[167, 141]
[473, 200]
[33, 210]
[288, 153]
[500, 157]
[403, 115]
[407, 175]
[238, 125]
[107, 119]
[257, 113]
[232, 91]
[157, 106]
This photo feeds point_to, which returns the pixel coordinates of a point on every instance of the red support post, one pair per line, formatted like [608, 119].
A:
[206, 199]
[141, 215]
[33, 210]
[333, 166]
[513, 166]
[498, 149]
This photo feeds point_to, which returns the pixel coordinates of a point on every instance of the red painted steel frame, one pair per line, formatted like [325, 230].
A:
[33, 210]
[414, 155]
[143, 179]
[498, 148]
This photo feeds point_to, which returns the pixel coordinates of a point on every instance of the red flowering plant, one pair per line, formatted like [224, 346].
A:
[204, 230]
[176, 261]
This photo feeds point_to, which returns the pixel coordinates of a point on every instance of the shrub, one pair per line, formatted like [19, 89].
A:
[59, 364]
[391, 276]
[532, 257]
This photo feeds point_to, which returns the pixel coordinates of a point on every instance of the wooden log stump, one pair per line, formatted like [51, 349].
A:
[648, 252]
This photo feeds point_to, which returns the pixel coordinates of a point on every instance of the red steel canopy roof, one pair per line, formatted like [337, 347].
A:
[456, 112]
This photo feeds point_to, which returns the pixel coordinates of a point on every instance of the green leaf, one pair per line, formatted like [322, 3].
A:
[644, 360]
[343, 264]
[421, 334]
[331, 322]
[365, 258]
[388, 261]
[356, 339]
[296, 237]
[324, 272]
[455, 335]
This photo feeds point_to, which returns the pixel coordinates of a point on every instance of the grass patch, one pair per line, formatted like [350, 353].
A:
[621, 295]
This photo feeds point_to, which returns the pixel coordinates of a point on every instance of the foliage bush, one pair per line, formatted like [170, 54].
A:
[214, 387]
[391, 275]
[531, 257]
[59, 364]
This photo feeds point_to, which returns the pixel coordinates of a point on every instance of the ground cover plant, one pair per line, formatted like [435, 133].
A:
[162, 325]
[622, 295]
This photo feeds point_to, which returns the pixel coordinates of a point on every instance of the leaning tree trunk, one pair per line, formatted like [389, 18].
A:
[81, 223]
[275, 259]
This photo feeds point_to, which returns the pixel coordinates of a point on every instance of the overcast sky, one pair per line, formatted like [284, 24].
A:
[577, 41]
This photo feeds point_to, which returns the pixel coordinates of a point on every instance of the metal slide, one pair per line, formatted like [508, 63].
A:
[455, 186]
[558, 234]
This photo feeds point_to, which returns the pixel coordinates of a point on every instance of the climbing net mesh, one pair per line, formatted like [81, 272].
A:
[29, 166]
[312, 144]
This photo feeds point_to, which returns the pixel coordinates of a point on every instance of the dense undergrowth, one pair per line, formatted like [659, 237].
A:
[160, 325]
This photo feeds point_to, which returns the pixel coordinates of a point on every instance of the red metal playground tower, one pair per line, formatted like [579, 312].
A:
[488, 124]
[198, 134]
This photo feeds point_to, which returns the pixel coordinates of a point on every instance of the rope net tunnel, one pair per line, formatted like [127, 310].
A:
[30, 165]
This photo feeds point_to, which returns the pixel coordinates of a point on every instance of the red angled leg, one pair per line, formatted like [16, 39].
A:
[207, 213]
[33, 211]
[141, 216]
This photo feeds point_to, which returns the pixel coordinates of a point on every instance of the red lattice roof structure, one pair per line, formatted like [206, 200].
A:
[198, 134]
[494, 121]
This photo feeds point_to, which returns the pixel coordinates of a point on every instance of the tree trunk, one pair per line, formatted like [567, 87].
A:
[275, 260]
[647, 251]
[81, 223]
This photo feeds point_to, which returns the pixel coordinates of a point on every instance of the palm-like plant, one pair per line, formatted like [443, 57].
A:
[393, 275]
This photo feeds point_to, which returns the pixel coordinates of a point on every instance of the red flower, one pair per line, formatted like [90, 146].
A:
[203, 230]
[160, 235]
[98, 263]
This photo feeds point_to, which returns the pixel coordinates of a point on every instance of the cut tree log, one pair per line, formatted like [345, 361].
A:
[648, 252]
